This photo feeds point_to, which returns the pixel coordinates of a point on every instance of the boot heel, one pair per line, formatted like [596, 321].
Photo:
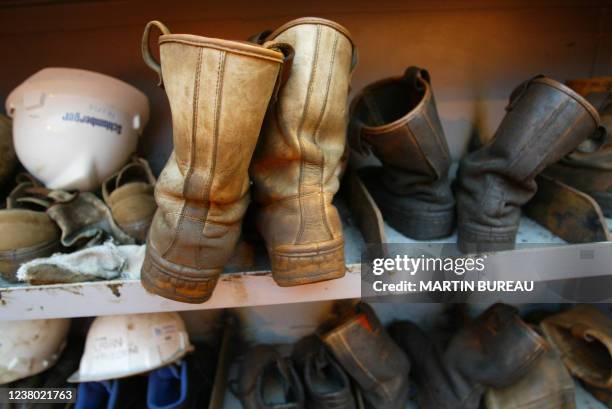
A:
[305, 264]
[473, 241]
[173, 282]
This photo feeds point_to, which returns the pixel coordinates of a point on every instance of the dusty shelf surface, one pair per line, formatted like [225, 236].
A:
[253, 287]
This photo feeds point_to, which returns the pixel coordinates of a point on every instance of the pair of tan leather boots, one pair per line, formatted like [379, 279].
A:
[274, 110]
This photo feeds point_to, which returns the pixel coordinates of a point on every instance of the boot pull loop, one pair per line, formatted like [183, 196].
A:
[519, 92]
[260, 37]
[285, 69]
[355, 138]
[354, 59]
[413, 77]
[146, 50]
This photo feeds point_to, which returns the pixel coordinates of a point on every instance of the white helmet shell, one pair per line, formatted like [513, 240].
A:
[30, 347]
[74, 128]
[124, 345]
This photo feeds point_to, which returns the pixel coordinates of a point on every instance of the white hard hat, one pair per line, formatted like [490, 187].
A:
[73, 128]
[118, 346]
[30, 347]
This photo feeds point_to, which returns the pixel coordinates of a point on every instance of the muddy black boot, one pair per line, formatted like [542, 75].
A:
[269, 381]
[495, 350]
[366, 351]
[326, 384]
[591, 172]
[397, 119]
[545, 120]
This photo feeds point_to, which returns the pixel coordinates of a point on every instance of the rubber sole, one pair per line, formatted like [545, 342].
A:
[472, 241]
[294, 265]
[176, 282]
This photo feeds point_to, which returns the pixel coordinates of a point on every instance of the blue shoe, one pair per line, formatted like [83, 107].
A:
[167, 388]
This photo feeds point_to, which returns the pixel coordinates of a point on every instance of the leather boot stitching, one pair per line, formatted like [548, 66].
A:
[363, 368]
[190, 169]
[300, 130]
[213, 160]
[324, 219]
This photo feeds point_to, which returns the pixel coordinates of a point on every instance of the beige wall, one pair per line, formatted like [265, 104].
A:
[476, 50]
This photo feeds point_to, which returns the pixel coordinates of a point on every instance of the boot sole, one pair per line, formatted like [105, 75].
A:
[176, 282]
[307, 264]
[418, 225]
[470, 241]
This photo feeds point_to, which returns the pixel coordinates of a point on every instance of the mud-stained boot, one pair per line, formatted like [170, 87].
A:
[583, 336]
[269, 381]
[495, 350]
[397, 119]
[129, 195]
[591, 172]
[297, 164]
[326, 384]
[545, 120]
[547, 385]
[27, 231]
[368, 354]
[218, 92]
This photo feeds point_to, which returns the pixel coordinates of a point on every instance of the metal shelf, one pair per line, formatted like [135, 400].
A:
[238, 289]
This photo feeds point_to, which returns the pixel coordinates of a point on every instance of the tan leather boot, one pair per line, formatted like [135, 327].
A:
[129, 195]
[547, 385]
[297, 165]
[27, 231]
[583, 335]
[219, 92]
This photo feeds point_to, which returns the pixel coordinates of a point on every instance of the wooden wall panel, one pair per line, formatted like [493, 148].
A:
[476, 51]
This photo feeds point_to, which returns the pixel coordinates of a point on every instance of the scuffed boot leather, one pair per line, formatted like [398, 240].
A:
[583, 335]
[129, 194]
[297, 164]
[366, 351]
[326, 384]
[397, 119]
[495, 350]
[547, 385]
[264, 376]
[591, 172]
[84, 220]
[27, 231]
[219, 92]
[545, 120]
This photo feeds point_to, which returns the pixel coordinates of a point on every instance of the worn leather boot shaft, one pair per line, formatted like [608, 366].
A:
[297, 164]
[366, 351]
[547, 385]
[326, 384]
[129, 195]
[398, 120]
[269, 381]
[218, 92]
[27, 231]
[545, 120]
[591, 172]
[583, 335]
[495, 350]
